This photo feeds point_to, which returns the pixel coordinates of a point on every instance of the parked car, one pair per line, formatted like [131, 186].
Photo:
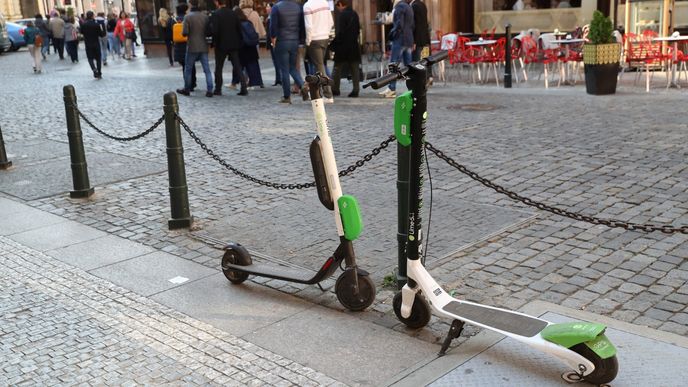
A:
[5, 43]
[23, 22]
[16, 32]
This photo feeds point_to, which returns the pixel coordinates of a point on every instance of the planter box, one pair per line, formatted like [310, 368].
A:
[601, 67]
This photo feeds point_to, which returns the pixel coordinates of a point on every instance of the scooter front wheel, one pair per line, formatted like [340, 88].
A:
[420, 311]
[236, 255]
[345, 289]
[605, 369]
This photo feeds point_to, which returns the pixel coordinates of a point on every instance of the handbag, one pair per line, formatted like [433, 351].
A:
[38, 41]
[131, 35]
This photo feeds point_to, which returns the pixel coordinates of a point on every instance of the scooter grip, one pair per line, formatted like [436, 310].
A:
[436, 57]
[382, 81]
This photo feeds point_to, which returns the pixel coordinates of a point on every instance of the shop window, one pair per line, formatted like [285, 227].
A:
[509, 5]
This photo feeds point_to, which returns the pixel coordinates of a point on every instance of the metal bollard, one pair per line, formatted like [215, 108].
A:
[179, 196]
[403, 158]
[4, 163]
[82, 186]
[507, 56]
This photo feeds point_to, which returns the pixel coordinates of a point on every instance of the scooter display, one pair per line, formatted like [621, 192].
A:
[354, 288]
[582, 346]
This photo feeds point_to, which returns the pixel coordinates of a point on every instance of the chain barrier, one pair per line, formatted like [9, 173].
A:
[667, 229]
[132, 138]
[349, 170]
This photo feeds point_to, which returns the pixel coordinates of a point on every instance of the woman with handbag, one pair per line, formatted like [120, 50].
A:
[125, 32]
[34, 41]
[72, 39]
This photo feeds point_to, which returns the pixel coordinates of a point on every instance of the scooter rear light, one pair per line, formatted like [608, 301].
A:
[328, 263]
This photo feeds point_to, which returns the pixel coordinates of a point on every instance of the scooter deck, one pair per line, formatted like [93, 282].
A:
[306, 276]
[500, 319]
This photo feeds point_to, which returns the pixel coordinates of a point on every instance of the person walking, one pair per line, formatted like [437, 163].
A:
[102, 39]
[125, 32]
[318, 24]
[421, 31]
[287, 31]
[347, 53]
[195, 25]
[248, 53]
[227, 40]
[113, 40]
[44, 32]
[56, 27]
[401, 36]
[71, 38]
[165, 21]
[93, 31]
[268, 43]
[180, 46]
[33, 40]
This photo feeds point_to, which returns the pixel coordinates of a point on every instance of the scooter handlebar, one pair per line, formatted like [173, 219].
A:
[319, 79]
[382, 81]
[434, 58]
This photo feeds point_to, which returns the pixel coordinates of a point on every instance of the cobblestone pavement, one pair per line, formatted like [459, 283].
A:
[61, 325]
[620, 156]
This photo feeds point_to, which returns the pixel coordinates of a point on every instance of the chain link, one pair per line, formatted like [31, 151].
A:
[270, 184]
[132, 138]
[667, 229]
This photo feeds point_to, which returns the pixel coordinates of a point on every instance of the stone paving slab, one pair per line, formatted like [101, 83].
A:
[20, 218]
[101, 252]
[56, 235]
[84, 329]
[30, 152]
[53, 176]
[646, 357]
[237, 309]
[152, 273]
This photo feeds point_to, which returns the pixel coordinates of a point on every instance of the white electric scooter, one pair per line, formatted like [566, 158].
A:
[580, 345]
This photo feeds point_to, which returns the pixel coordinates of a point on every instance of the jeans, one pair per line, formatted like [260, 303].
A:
[114, 43]
[45, 48]
[93, 54]
[399, 53]
[103, 48]
[278, 76]
[191, 58]
[316, 51]
[73, 50]
[287, 53]
[58, 44]
[220, 57]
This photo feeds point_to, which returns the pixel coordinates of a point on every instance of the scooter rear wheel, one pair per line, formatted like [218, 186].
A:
[345, 291]
[605, 369]
[420, 311]
[238, 256]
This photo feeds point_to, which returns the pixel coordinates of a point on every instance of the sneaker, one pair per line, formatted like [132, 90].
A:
[105, 63]
[383, 92]
[285, 100]
[353, 94]
[304, 92]
[209, 94]
[390, 94]
[217, 92]
[328, 100]
[232, 86]
[243, 92]
[183, 92]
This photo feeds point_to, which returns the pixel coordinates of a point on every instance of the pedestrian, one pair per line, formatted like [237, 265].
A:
[248, 54]
[102, 39]
[227, 41]
[318, 24]
[166, 22]
[125, 32]
[93, 31]
[421, 30]
[195, 25]
[347, 53]
[113, 40]
[287, 31]
[268, 43]
[71, 38]
[34, 41]
[180, 46]
[44, 32]
[56, 27]
[401, 36]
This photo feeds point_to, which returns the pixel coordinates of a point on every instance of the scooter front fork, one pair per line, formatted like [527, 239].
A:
[408, 295]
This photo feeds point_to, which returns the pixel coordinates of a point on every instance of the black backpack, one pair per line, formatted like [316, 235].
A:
[249, 34]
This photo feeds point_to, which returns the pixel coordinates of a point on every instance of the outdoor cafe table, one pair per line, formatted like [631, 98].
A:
[567, 43]
[482, 43]
[674, 40]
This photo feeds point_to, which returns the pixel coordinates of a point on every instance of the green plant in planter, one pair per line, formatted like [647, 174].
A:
[601, 29]
[601, 56]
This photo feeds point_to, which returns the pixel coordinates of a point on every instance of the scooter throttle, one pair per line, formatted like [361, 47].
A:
[434, 58]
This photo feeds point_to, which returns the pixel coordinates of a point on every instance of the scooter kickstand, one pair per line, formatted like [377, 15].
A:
[454, 332]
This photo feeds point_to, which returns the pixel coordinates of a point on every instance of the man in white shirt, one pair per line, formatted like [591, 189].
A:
[318, 22]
